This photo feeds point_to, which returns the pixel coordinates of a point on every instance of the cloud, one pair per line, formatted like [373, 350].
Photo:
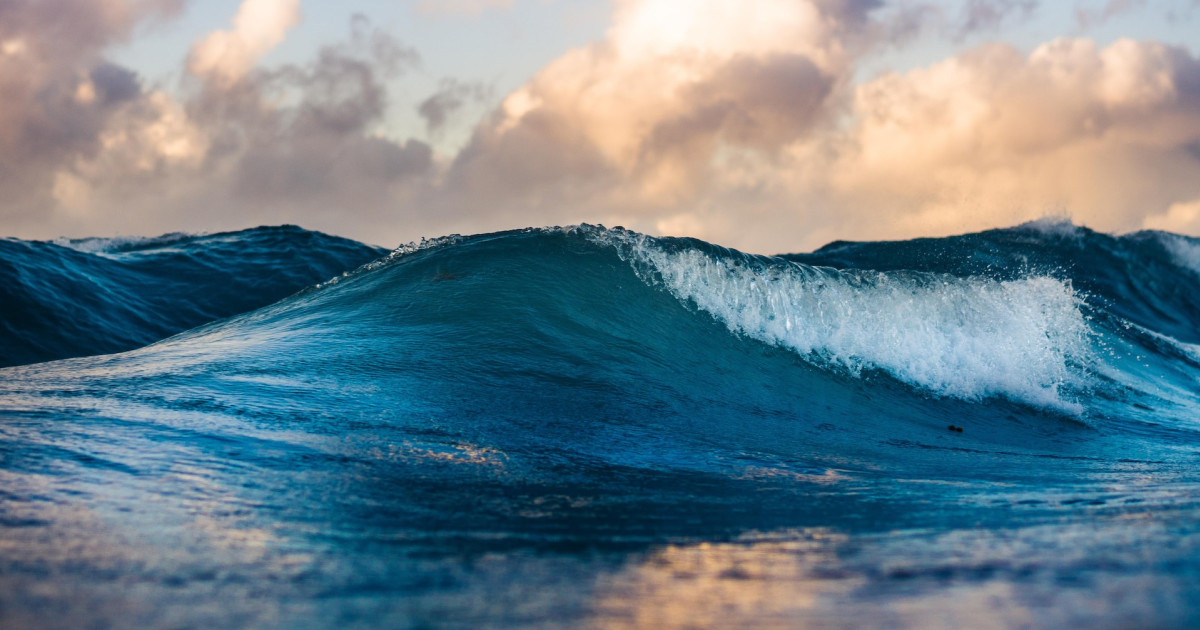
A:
[452, 96]
[301, 139]
[1090, 18]
[1183, 217]
[297, 142]
[259, 26]
[742, 123]
[899, 24]
[656, 114]
[320, 153]
[59, 92]
[988, 15]
[992, 136]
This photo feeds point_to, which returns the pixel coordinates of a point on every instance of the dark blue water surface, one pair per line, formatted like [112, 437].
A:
[594, 428]
[80, 297]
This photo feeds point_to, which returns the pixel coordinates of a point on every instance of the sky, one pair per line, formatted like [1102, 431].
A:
[766, 125]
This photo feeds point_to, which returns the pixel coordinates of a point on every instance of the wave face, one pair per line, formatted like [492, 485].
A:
[591, 427]
[80, 297]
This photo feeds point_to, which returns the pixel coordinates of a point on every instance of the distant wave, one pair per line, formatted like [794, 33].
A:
[76, 297]
[1150, 278]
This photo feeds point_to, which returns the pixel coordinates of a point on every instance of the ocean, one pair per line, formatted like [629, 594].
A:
[586, 427]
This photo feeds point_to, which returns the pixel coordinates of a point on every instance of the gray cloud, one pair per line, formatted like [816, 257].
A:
[762, 102]
[452, 96]
[298, 143]
[386, 52]
[989, 15]
[114, 84]
[318, 154]
[545, 164]
[1090, 18]
[59, 93]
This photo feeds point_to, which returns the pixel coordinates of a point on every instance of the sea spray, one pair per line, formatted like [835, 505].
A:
[971, 338]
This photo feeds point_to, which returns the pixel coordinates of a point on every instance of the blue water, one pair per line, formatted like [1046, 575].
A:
[96, 296]
[585, 427]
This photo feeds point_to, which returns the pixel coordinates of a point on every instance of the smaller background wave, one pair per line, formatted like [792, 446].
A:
[81, 297]
[1149, 278]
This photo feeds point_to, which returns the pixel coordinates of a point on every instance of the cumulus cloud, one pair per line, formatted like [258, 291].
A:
[59, 92]
[247, 145]
[319, 154]
[742, 123]
[662, 109]
[993, 136]
[450, 99]
[259, 26]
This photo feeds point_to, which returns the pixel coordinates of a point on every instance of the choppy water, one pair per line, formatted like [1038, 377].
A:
[594, 428]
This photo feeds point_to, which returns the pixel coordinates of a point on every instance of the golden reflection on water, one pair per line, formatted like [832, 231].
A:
[761, 584]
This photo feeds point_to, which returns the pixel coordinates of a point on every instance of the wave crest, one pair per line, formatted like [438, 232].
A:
[970, 338]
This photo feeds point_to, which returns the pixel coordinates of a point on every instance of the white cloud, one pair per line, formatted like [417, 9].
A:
[1181, 217]
[259, 26]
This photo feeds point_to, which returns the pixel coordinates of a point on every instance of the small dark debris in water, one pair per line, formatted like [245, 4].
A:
[735, 573]
[954, 428]
[443, 276]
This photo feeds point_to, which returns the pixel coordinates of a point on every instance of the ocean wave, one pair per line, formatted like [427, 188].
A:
[971, 338]
[90, 296]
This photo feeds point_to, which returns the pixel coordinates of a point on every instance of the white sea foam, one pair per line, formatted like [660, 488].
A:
[100, 244]
[1053, 226]
[968, 338]
[400, 252]
[112, 246]
[1185, 251]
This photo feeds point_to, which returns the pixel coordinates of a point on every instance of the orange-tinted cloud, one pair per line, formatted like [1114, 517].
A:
[259, 26]
[737, 122]
[740, 124]
[247, 145]
[1107, 135]
[679, 98]
[59, 93]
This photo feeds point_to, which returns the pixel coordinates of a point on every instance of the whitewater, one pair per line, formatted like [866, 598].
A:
[592, 427]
